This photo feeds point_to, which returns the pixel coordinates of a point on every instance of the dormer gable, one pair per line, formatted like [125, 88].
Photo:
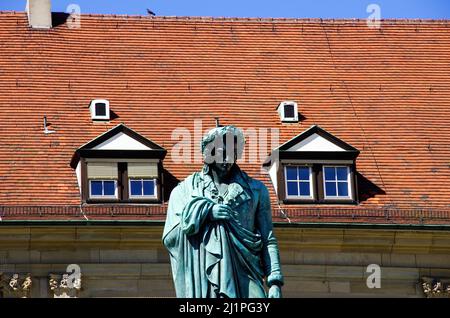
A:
[316, 139]
[121, 138]
[122, 141]
[120, 165]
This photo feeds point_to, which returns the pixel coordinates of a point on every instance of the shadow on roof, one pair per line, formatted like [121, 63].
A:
[367, 189]
[112, 115]
[170, 182]
[59, 18]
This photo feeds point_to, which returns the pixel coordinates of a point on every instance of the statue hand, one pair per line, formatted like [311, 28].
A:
[275, 291]
[221, 212]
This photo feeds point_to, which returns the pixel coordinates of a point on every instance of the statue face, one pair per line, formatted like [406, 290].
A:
[222, 167]
[225, 157]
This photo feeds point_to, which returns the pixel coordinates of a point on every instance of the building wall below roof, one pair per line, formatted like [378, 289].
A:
[130, 261]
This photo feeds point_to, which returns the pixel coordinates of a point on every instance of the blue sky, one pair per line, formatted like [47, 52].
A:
[425, 9]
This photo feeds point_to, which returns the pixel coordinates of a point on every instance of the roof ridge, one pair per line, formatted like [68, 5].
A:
[253, 19]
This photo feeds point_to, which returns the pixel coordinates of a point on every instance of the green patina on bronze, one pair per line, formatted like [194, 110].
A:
[212, 257]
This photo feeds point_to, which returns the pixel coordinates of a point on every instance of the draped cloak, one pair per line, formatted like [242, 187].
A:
[215, 259]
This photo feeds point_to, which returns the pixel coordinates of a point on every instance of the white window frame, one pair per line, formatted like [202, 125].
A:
[349, 184]
[92, 109]
[115, 196]
[299, 197]
[155, 196]
[281, 109]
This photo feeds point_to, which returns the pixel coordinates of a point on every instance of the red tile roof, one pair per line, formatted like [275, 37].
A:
[385, 91]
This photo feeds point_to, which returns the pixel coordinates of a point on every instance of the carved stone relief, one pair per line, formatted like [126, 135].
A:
[60, 287]
[433, 287]
[15, 285]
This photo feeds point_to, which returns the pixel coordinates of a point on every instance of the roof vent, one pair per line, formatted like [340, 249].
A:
[99, 109]
[46, 124]
[288, 111]
[39, 14]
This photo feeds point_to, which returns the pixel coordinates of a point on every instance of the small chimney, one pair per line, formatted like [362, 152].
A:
[39, 14]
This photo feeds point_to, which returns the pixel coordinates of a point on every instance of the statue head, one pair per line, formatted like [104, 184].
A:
[221, 147]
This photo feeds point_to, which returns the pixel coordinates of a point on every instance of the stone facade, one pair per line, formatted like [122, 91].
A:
[130, 261]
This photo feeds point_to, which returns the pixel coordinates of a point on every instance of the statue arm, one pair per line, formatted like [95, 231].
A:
[194, 214]
[186, 210]
[270, 252]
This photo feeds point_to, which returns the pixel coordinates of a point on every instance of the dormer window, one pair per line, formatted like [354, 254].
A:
[100, 109]
[142, 180]
[142, 188]
[119, 166]
[102, 178]
[103, 189]
[288, 111]
[337, 183]
[315, 168]
[125, 180]
[298, 182]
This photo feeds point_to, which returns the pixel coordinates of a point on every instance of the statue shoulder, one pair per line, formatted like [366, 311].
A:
[261, 189]
[192, 180]
[189, 182]
[255, 184]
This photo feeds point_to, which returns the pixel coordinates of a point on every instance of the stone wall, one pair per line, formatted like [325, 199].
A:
[333, 262]
[130, 261]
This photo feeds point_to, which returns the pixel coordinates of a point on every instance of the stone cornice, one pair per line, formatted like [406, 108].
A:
[369, 240]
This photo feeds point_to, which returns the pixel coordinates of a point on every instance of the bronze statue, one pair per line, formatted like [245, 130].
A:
[218, 229]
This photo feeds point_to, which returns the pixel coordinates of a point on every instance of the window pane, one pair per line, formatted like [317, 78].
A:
[291, 173]
[96, 188]
[100, 109]
[329, 173]
[342, 173]
[343, 189]
[304, 173]
[136, 187]
[149, 187]
[292, 188]
[304, 189]
[289, 111]
[330, 189]
[108, 188]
